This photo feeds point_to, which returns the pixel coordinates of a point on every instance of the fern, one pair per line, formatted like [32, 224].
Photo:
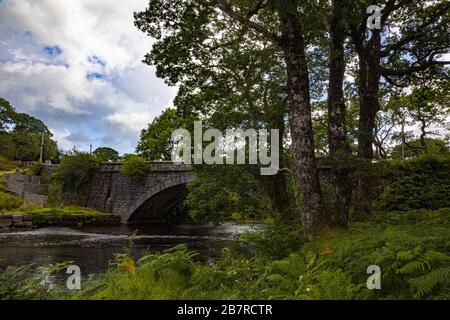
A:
[424, 285]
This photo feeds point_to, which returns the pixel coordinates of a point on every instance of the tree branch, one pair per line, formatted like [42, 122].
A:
[386, 72]
[227, 8]
[416, 34]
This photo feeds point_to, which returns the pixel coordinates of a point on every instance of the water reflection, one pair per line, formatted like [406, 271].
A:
[92, 248]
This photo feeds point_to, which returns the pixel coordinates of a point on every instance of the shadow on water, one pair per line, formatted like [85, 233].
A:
[92, 248]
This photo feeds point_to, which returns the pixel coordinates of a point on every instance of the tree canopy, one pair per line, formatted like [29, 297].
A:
[106, 154]
[313, 69]
[21, 136]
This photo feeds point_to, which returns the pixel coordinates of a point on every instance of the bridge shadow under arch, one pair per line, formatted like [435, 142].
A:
[160, 207]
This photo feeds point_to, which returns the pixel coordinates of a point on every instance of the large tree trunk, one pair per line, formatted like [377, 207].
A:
[369, 87]
[280, 197]
[337, 131]
[304, 160]
[276, 185]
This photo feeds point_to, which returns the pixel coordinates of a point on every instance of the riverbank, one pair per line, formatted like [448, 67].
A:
[411, 248]
[62, 217]
[18, 213]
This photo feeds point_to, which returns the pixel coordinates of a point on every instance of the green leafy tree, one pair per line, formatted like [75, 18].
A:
[75, 172]
[6, 113]
[155, 142]
[216, 196]
[427, 106]
[21, 136]
[388, 60]
[414, 148]
[188, 31]
[105, 154]
[134, 166]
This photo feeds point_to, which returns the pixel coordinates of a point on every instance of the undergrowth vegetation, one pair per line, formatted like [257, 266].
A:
[422, 182]
[134, 166]
[75, 172]
[9, 202]
[410, 244]
[413, 257]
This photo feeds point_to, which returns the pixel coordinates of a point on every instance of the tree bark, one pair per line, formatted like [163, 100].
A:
[304, 160]
[280, 197]
[337, 131]
[276, 185]
[368, 87]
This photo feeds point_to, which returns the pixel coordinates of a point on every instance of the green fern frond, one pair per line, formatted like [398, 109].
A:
[413, 267]
[423, 286]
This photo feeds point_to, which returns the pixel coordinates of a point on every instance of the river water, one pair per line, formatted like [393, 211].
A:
[92, 248]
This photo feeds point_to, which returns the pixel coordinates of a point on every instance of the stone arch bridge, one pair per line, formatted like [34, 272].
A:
[147, 199]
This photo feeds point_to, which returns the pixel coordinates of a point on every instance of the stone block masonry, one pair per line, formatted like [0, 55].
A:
[16, 221]
[162, 188]
[27, 187]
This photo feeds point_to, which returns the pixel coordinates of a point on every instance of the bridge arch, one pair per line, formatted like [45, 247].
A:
[159, 199]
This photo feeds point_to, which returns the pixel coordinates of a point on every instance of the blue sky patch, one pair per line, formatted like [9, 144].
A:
[96, 60]
[52, 50]
[95, 76]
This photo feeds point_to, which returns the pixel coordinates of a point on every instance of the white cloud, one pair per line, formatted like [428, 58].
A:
[97, 82]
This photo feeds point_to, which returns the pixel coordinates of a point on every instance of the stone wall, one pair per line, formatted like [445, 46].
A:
[114, 192]
[9, 222]
[27, 187]
[19, 221]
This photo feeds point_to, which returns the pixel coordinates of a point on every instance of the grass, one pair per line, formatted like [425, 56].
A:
[67, 211]
[11, 204]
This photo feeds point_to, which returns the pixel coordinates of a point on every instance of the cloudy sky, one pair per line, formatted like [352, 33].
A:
[77, 66]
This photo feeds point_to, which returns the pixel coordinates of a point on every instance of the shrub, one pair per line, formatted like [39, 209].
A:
[55, 199]
[413, 184]
[36, 168]
[17, 284]
[275, 241]
[9, 202]
[7, 165]
[135, 167]
[221, 193]
[75, 172]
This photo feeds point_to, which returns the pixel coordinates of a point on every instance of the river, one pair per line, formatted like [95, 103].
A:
[92, 248]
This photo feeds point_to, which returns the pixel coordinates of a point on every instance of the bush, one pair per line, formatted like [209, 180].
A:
[413, 184]
[55, 199]
[221, 193]
[17, 284]
[7, 165]
[135, 167]
[9, 202]
[275, 241]
[36, 169]
[75, 172]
